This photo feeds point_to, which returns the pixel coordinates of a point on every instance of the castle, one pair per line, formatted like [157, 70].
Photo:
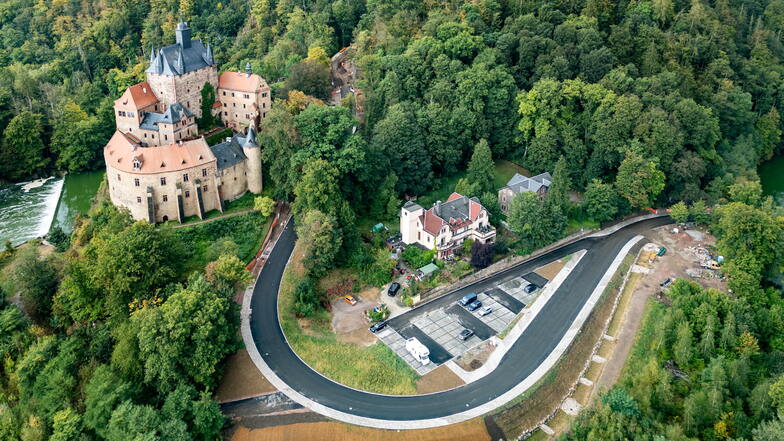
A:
[157, 165]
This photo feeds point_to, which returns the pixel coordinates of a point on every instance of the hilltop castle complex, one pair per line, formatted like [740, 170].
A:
[156, 163]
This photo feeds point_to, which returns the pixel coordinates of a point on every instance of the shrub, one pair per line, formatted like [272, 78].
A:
[307, 299]
[417, 257]
[482, 254]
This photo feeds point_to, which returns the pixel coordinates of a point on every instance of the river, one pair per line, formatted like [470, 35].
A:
[29, 209]
[771, 175]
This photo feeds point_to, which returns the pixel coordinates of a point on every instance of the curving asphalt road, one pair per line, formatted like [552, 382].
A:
[530, 350]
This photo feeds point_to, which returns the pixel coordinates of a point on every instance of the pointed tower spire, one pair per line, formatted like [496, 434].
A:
[208, 56]
[248, 70]
[180, 62]
[152, 54]
[250, 138]
[159, 60]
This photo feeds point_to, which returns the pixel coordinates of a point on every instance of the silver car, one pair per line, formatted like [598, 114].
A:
[484, 311]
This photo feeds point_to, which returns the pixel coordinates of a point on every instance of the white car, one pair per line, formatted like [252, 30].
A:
[484, 311]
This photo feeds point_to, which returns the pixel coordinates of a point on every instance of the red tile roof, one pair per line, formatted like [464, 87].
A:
[138, 96]
[240, 81]
[120, 152]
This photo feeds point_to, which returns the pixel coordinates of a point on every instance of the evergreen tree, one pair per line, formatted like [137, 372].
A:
[481, 169]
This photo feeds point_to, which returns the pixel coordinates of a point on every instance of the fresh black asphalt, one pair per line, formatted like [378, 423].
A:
[536, 279]
[438, 354]
[506, 299]
[528, 352]
[469, 321]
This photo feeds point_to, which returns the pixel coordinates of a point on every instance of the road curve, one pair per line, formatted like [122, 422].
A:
[275, 358]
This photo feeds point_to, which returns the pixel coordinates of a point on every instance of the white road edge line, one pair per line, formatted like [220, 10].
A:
[508, 396]
[502, 346]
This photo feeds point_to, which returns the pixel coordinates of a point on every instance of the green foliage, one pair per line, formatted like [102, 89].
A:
[36, 279]
[639, 181]
[22, 148]
[307, 299]
[417, 257]
[600, 201]
[321, 240]
[228, 270]
[481, 169]
[378, 271]
[182, 340]
[311, 77]
[264, 205]
[679, 212]
[699, 212]
[59, 239]
[207, 120]
[746, 192]
[536, 222]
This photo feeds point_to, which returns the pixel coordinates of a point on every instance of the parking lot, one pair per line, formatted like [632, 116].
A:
[439, 326]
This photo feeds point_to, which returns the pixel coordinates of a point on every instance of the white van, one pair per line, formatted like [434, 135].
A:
[418, 350]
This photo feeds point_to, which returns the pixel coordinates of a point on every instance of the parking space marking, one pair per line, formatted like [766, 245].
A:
[505, 299]
[536, 278]
[470, 321]
[397, 343]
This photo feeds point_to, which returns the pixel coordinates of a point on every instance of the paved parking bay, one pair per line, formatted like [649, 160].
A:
[439, 324]
[397, 343]
[506, 300]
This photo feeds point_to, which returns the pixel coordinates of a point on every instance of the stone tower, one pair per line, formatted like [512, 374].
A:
[253, 152]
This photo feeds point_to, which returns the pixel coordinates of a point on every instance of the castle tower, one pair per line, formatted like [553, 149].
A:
[183, 35]
[253, 152]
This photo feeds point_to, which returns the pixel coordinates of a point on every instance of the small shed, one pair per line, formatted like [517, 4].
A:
[427, 270]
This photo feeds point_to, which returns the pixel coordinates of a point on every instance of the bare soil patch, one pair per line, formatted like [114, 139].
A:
[472, 430]
[242, 379]
[349, 321]
[551, 270]
[475, 357]
[437, 380]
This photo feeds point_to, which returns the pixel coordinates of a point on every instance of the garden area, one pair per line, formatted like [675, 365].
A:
[373, 368]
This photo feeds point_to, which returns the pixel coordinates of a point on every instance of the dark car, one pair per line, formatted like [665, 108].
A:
[393, 289]
[467, 299]
[378, 326]
[465, 334]
[531, 287]
[666, 282]
[473, 306]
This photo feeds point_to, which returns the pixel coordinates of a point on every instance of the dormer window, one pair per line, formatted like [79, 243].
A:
[137, 165]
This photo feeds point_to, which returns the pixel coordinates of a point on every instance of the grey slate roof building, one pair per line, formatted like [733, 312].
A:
[230, 153]
[186, 55]
[174, 114]
[520, 183]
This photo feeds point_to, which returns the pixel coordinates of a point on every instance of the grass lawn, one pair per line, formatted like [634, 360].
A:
[246, 230]
[218, 137]
[504, 170]
[373, 368]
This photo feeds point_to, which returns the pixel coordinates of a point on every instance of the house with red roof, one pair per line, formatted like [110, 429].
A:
[446, 225]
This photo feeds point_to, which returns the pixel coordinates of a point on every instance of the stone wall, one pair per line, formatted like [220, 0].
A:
[237, 107]
[185, 89]
[124, 191]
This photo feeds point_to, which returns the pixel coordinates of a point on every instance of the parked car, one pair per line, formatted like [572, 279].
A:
[393, 289]
[661, 251]
[473, 306]
[531, 287]
[467, 299]
[465, 334]
[350, 300]
[665, 282]
[378, 326]
[485, 311]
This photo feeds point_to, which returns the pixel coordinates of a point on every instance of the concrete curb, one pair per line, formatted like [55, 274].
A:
[510, 395]
[528, 316]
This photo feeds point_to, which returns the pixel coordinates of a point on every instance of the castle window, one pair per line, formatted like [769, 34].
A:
[224, 93]
[225, 105]
[204, 189]
[165, 198]
[131, 114]
[187, 193]
[246, 96]
[138, 199]
[145, 135]
[185, 177]
[263, 94]
[163, 181]
[243, 106]
[136, 182]
[204, 172]
[166, 137]
[233, 104]
[232, 94]
[263, 105]
[118, 177]
[225, 113]
[137, 165]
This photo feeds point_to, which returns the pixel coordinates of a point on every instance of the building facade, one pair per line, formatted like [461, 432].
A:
[158, 167]
[538, 184]
[446, 225]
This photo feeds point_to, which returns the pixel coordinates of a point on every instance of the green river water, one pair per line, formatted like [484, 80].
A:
[771, 174]
[29, 209]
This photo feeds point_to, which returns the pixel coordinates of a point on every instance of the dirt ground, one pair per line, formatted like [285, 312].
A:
[475, 357]
[551, 270]
[441, 378]
[242, 379]
[473, 430]
[349, 322]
